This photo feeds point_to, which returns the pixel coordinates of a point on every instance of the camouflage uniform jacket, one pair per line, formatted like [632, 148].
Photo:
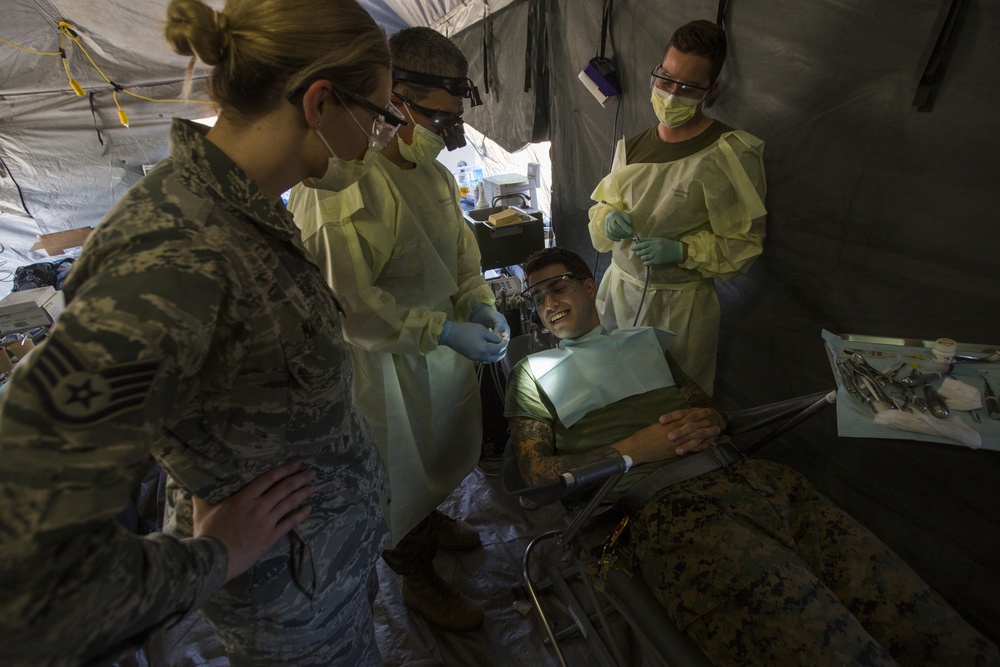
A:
[197, 328]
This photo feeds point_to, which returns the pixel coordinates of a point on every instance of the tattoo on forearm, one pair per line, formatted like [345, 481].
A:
[697, 397]
[537, 459]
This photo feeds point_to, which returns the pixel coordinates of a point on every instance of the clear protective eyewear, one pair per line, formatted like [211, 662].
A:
[557, 287]
[660, 79]
[385, 123]
[449, 126]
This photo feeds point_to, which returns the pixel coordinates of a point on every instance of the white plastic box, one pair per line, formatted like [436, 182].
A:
[30, 309]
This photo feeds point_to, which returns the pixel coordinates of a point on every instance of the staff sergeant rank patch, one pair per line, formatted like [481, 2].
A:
[75, 396]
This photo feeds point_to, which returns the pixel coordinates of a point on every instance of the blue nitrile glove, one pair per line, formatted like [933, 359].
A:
[490, 318]
[659, 251]
[617, 225]
[473, 341]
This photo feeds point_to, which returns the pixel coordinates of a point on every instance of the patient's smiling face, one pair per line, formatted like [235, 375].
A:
[571, 313]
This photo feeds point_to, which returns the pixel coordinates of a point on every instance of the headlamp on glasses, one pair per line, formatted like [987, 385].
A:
[449, 126]
[455, 85]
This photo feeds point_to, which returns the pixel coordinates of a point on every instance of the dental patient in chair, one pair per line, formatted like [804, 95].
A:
[749, 560]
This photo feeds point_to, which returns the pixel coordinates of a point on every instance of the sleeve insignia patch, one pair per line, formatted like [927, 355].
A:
[76, 396]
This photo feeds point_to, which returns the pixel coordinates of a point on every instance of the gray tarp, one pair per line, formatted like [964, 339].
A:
[880, 216]
[64, 159]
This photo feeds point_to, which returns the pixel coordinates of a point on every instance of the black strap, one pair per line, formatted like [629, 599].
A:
[93, 112]
[605, 25]
[5, 170]
[721, 455]
[932, 63]
[720, 18]
[540, 124]
[488, 54]
[528, 64]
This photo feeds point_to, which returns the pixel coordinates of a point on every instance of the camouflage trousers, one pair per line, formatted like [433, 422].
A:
[325, 630]
[308, 601]
[759, 568]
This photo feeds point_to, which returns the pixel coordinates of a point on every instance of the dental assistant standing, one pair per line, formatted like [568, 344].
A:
[198, 328]
[692, 189]
[397, 251]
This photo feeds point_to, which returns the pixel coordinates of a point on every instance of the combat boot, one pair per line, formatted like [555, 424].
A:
[453, 534]
[437, 601]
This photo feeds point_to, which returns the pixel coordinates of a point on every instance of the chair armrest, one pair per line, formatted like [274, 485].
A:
[568, 483]
[751, 419]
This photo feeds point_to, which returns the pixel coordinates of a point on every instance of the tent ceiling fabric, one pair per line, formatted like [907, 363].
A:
[66, 160]
[447, 16]
[125, 38]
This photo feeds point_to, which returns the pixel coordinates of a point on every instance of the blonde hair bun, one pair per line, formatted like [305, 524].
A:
[195, 29]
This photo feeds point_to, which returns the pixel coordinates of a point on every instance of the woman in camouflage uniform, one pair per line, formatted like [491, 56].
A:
[197, 327]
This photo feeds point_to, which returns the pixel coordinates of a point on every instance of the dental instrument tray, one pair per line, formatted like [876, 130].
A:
[510, 242]
[886, 380]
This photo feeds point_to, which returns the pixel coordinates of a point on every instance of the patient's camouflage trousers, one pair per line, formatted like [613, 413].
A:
[759, 568]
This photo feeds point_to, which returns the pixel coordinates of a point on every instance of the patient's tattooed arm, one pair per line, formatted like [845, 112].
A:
[697, 397]
[537, 459]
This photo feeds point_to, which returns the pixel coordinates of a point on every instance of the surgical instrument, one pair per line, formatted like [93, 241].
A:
[915, 380]
[989, 358]
[935, 403]
[992, 405]
[879, 381]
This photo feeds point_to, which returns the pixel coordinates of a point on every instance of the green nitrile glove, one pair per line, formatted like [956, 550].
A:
[617, 225]
[659, 251]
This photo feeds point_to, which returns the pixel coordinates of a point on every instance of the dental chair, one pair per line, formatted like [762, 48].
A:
[614, 591]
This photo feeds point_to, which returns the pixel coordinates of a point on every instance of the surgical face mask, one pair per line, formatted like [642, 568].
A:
[340, 174]
[673, 110]
[426, 145]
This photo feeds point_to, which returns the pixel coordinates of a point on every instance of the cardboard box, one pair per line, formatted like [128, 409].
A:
[58, 243]
[30, 309]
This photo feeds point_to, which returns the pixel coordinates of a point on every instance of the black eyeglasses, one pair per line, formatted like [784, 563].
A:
[557, 286]
[451, 126]
[660, 79]
[457, 86]
[389, 113]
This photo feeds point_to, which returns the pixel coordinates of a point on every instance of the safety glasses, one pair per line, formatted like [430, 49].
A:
[386, 120]
[557, 287]
[450, 126]
[660, 79]
[385, 123]
[457, 86]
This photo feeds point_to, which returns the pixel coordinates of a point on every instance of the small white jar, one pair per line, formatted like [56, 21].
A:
[944, 350]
